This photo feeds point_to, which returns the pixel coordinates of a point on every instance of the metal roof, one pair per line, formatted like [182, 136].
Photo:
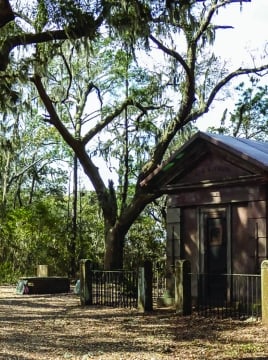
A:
[255, 152]
[245, 148]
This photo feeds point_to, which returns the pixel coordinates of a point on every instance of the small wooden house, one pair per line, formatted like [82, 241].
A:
[217, 189]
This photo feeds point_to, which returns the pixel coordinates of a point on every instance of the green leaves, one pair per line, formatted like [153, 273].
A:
[141, 242]
[116, 80]
[41, 18]
[249, 117]
[130, 20]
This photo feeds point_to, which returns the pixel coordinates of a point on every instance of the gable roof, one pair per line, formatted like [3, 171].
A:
[248, 152]
[251, 150]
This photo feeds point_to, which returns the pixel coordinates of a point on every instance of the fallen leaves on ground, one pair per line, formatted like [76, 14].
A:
[44, 327]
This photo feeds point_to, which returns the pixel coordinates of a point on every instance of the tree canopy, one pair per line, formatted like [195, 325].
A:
[120, 81]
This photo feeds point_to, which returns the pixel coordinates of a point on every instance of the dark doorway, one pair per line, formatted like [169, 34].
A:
[215, 257]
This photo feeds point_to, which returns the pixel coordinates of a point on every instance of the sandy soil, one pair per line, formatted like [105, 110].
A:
[57, 327]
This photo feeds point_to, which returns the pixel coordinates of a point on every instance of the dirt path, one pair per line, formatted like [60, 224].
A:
[57, 327]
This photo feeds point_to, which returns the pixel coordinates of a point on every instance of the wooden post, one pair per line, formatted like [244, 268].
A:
[85, 282]
[145, 286]
[264, 291]
[183, 301]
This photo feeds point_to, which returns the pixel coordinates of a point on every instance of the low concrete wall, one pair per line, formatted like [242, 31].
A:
[47, 285]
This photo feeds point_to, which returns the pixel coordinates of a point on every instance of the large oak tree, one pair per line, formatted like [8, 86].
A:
[179, 36]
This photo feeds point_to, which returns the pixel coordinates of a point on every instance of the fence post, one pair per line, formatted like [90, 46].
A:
[264, 291]
[85, 282]
[183, 301]
[145, 286]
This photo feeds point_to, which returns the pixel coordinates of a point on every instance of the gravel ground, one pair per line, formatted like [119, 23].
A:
[34, 327]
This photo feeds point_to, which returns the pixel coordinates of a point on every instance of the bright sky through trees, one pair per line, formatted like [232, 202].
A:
[239, 46]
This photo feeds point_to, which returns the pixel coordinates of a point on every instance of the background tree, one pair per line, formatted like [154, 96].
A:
[249, 117]
[31, 157]
[190, 79]
[38, 233]
[146, 237]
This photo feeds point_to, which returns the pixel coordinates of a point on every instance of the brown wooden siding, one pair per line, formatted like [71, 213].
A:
[190, 237]
[217, 196]
[243, 243]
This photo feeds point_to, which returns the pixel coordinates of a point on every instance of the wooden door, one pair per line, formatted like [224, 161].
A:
[216, 257]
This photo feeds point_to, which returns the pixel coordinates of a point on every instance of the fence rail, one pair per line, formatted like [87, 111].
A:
[221, 295]
[114, 288]
[159, 284]
[122, 288]
[228, 295]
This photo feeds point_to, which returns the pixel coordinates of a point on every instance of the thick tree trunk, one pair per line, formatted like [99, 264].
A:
[115, 232]
[114, 248]
[6, 13]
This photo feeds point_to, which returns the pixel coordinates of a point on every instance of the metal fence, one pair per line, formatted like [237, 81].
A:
[221, 295]
[120, 288]
[159, 285]
[114, 288]
[227, 295]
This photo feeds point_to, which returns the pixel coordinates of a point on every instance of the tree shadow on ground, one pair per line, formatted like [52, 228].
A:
[57, 327]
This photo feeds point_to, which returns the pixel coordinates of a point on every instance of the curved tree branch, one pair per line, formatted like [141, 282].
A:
[54, 119]
[30, 38]
[108, 119]
[78, 147]
[172, 53]
[197, 114]
[69, 71]
[258, 71]
[104, 194]
[179, 121]
[207, 21]
[6, 13]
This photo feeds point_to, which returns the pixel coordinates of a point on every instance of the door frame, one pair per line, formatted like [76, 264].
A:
[214, 211]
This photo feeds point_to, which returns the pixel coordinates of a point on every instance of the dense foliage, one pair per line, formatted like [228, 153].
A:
[116, 81]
